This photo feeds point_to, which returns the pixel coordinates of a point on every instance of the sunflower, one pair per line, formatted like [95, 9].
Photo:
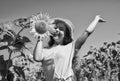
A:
[41, 24]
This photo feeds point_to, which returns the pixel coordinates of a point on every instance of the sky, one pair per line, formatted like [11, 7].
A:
[79, 12]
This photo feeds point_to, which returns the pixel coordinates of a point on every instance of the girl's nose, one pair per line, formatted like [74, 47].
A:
[57, 29]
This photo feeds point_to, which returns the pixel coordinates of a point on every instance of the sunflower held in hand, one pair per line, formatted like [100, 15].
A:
[41, 25]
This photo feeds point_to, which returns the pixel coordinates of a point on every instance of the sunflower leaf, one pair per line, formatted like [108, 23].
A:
[25, 39]
[7, 38]
[13, 33]
[3, 47]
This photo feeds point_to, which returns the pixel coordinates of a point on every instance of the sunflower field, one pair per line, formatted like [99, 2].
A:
[99, 64]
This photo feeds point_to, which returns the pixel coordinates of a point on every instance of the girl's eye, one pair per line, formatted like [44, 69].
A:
[55, 27]
[61, 28]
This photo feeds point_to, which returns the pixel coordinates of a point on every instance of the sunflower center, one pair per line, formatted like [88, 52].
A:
[40, 27]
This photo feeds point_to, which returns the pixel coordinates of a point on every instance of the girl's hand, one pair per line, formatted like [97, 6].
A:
[43, 37]
[100, 18]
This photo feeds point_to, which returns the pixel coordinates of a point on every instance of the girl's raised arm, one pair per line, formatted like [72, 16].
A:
[81, 39]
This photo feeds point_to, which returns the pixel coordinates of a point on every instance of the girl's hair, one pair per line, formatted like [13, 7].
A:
[51, 41]
[67, 33]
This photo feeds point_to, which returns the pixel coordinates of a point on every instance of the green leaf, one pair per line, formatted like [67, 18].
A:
[25, 39]
[22, 54]
[22, 22]
[3, 47]
[13, 33]
[1, 28]
[7, 38]
[118, 42]
[18, 45]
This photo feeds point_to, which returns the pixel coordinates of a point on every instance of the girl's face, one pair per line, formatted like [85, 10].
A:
[60, 30]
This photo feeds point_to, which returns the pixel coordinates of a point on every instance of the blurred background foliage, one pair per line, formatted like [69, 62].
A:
[100, 64]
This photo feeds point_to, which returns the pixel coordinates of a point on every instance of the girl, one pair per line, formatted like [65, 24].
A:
[57, 59]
